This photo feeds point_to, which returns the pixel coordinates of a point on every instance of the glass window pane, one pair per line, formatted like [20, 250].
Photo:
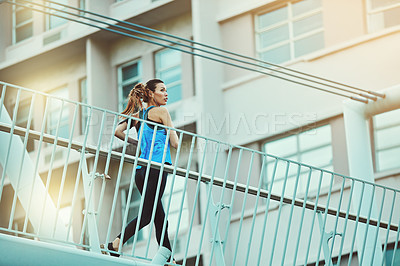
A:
[282, 147]
[309, 44]
[167, 57]
[277, 55]
[127, 89]
[305, 6]
[316, 137]
[273, 17]
[307, 24]
[383, 3]
[174, 93]
[131, 71]
[388, 159]
[24, 32]
[23, 15]
[273, 36]
[319, 157]
[171, 75]
[387, 137]
[386, 119]
[392, 17]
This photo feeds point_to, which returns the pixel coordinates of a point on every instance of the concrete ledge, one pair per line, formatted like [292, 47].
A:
[22, 251]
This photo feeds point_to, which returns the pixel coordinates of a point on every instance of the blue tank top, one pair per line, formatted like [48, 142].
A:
[159, 142]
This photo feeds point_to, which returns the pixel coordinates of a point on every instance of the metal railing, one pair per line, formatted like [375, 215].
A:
[226, 215]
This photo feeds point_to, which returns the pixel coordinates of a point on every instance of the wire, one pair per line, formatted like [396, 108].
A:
[169, 46]
[226, 51]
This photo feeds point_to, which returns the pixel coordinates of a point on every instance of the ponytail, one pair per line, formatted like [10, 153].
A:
[139, 94]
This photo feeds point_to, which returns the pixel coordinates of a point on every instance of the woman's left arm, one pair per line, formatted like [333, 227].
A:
[167, 121]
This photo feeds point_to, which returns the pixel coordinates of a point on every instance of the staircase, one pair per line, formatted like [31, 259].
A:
[220, 210]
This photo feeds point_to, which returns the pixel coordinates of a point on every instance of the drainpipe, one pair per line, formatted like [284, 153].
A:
[359, 152]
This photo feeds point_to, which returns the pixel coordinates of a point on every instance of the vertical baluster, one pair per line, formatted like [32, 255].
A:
[146, 180]
[388, 227]
[267, 210]
[216, 236]
[15, 112]
[260, 181]
[367, 224]
[183, 196]
[345, 222]
[302, 215]
[64, 174]
[325, 218]
[103, 186]
[279, 212]
[78, 173]
[116, 190]
[194, 203]
[356, 222]
[159, 181]
[337, 218]
[313, 217]
[92, 175]
[35, 172]
[208, 203]
[243, 206]
[228, 223]
[124, 220]
[14, 202]
[396, 243]
[291, 212]
[177, 155]
[379, 221]
[50, 171]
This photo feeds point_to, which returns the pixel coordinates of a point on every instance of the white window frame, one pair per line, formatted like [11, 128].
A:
[289, 22]
[122, 83]
[16, 26]
[84, 111]
[377, 150]
[372, 25]
[298, 154]
[48, 25]
[159, 70]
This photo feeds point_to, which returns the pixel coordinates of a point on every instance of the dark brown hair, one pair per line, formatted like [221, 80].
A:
[141, 92]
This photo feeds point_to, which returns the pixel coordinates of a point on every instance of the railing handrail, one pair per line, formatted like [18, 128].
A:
[204, 178]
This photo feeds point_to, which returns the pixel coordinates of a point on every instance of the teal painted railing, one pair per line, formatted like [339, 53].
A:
[223, 205]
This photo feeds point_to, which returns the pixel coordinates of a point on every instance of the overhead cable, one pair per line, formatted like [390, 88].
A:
[227, 52]
[179, 44]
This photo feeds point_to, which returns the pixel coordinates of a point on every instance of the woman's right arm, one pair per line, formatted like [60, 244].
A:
[120, 132]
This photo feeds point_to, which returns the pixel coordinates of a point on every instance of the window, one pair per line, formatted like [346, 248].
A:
[84, 109]
[312, 147]
[169, 70]
[133, 210]
[53, 21]
[387, 141]
[22, 22]
[22, 121]
[128, 76]
[383, 14]
[290, 31]
[53, 114]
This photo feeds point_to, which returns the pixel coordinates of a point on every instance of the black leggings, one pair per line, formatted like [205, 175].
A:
[148, 205]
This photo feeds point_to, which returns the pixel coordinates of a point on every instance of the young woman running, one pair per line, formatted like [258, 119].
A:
[154, 94]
